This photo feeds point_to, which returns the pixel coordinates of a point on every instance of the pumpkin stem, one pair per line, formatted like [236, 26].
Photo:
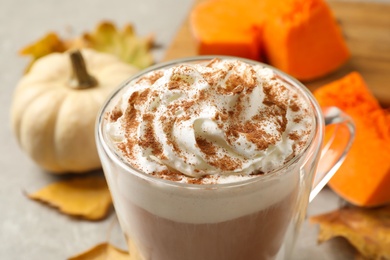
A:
[80, 79]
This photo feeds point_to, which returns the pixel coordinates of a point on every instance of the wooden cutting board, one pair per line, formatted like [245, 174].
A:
[366, 27]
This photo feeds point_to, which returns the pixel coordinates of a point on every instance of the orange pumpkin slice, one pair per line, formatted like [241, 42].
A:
[364, 177]
[300, 37]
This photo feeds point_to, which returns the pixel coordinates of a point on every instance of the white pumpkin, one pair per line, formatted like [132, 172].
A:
[56, 103]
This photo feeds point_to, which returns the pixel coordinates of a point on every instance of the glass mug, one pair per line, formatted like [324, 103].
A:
[257, 218]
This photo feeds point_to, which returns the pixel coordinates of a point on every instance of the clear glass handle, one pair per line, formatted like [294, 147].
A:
[339, 136]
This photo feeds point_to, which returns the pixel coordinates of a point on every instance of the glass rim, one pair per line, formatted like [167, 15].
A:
[124, 164]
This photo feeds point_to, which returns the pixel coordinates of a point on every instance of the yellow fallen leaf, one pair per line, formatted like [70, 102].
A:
[84, 197]
[103, 251]
[47, 44]
[125, 44]
[368, 230]
[360, 257]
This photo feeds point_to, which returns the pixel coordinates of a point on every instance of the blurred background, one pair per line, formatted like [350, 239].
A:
[31, 230]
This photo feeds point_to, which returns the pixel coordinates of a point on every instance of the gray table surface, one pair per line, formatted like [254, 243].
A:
[30, 230]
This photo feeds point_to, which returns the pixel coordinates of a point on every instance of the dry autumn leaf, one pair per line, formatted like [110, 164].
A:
[87, 197]
[125, 44]
[47, 44]
[368, 230]
[103, 251]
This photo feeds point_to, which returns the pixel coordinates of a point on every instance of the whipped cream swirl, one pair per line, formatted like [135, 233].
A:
[213, 121]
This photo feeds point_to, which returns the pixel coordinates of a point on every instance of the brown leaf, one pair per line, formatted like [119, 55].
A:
[368, 230]
[87, 197]
[360, 257]
[103, 251]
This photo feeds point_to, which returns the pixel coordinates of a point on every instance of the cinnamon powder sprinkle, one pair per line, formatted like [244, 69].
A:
[297, 120]
[143, 96]
[220, 116]
[212, 62]
[168, 124]
[294, 106]
[237, 83]
[232, 121]
[151, 78]
[226, 163]
[254, 134]
[131, 120]
[201, 180]
[115, 114]
[149, 139]
[214, 78]
[180, 78]
[169, 175]
[133, 98]
[206, 147]
[294, 136]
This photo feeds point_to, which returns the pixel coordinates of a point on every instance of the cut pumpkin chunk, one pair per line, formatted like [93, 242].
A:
[305, 40]
[300, 37]
[364, 177]
[227, 27]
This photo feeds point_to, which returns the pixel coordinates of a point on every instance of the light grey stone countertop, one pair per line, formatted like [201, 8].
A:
[33, 231]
